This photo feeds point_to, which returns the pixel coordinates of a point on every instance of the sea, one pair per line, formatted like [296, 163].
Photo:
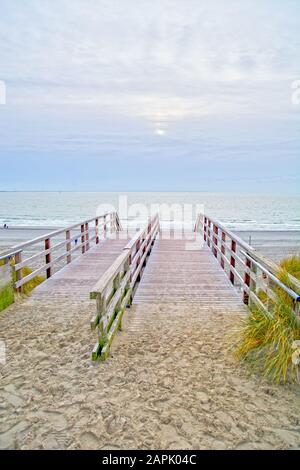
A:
[236, 211]
[271, 224]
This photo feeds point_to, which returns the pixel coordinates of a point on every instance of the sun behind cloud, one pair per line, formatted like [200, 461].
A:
[160, 131]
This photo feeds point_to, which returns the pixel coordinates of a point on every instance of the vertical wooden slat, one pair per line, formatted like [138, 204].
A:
[247, 280]
[82, 239]
[223, 249]
[253, 281]
[208, 232]
[104, 226]
[205, 229]
[97, 230]
[129, 267]
[48, 257]
[68, 246]
[87, 236]
[232, 260]
[101, 308]
[215, 240]
[19, 273]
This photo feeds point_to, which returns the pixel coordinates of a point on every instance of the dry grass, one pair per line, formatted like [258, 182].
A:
[30, 285]
[265, 340]
[26, 288]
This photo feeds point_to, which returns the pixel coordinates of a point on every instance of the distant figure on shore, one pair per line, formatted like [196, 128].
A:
[76, 241]
[5, 226]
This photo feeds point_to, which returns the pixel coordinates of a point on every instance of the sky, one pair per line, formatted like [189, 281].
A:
[168, 95]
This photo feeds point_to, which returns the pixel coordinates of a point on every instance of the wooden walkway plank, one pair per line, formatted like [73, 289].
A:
[77, 279]
[175, 273]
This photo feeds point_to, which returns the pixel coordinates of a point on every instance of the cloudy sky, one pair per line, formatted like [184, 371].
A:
[150, 95]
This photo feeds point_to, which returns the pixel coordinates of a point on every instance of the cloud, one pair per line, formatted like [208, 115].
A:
[104, 76]
[2, 92]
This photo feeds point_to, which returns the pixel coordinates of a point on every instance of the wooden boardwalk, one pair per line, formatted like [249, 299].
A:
[185, 271]
[169, 382]
[76, 280]
[182, 277]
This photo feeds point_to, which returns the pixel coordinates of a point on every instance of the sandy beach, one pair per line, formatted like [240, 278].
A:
[274, 244]
[170, 383]
[142, 144]
[185, 391]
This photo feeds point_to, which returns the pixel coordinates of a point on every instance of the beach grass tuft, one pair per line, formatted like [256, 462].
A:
[30, 285]
[7, 292]
[270, 341]
[6, 296]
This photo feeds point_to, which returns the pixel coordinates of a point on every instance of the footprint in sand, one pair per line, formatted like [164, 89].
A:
[56, 420]
[89, 440]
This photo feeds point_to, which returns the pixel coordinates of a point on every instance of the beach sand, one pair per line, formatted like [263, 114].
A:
[274, 244]
[170, 383]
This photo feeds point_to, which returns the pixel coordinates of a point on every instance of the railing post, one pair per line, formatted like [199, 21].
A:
[215, 240]
[101, 308]
[87, 236]
[232, 260]
[19, 272]
[97, 230]
[48, 257]
[117, 222]
[82, 239]
[68, 236]
[113, 227]
[104, 226]
[129, 266]
[205, 229]
[208, 232]
[252, 281]
[247, 280]
[223, 249]
[116, 282]
[138, 244]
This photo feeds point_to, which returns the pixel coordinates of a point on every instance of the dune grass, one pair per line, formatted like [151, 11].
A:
[6, 296]
[7, 292]
[270, 342]
[30, 285]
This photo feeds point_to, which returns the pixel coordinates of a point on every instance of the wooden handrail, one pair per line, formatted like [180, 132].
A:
[83, 235]
[254, 271]
[8, 255]
[115, 288]
[52, 234]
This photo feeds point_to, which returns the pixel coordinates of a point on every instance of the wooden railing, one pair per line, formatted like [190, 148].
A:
[63, 242]
[113, 292]
[246, 267]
